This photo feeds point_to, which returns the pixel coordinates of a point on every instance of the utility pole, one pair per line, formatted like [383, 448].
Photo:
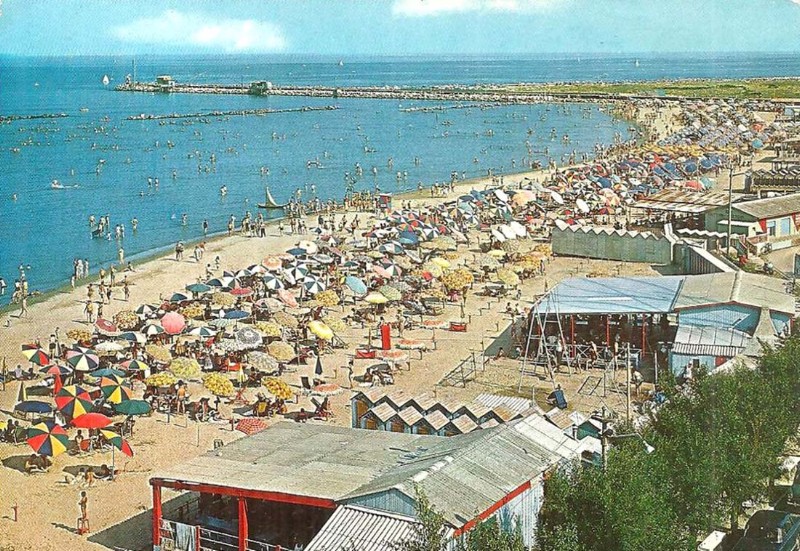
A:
[730, 210]
[628, 385]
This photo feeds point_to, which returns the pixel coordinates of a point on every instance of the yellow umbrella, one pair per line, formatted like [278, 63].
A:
[441, 262]
[507, 276]
[321, 330]
[497, 253]
[376, 298]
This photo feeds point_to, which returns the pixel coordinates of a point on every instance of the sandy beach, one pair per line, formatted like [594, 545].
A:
[46, 506]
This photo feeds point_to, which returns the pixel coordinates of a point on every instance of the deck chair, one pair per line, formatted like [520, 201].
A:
[305, 385]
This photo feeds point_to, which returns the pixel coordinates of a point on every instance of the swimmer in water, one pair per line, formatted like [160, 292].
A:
[13, 196]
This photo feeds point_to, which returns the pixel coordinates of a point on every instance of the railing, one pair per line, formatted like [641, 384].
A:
[207, 539]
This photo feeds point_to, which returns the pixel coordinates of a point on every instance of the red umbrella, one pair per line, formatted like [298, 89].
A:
[241, 291]
[105, 326]
[287, 298]
[173, 323]
[35, 355]
[91, 421]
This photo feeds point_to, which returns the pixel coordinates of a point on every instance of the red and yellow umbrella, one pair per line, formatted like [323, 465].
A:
[74, 401]
[115, 389]
[91, 421]
[47, 438]
[118, 442]
[35, 354]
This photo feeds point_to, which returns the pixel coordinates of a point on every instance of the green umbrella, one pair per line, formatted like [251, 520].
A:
[133, 407]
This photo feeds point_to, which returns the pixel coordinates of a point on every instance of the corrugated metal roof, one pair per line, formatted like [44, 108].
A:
[738, 287]
[709, 341]
[514, 403]
[612, 295]
[305, 459]
[357, 529]
[468, 473]
[559, 418]
[679, 200]
[772, 207]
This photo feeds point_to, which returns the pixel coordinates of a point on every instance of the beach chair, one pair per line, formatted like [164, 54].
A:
[305, 385]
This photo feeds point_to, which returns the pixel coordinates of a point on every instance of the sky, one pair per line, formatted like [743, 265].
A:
[396, 27]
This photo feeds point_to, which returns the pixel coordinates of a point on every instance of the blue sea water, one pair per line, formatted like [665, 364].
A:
[45, 228]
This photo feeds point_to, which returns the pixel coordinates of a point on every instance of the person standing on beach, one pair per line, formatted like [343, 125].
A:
[126, 290]
[23, 305]
[83, 520]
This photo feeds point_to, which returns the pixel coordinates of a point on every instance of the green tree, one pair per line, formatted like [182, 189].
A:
[430, 532]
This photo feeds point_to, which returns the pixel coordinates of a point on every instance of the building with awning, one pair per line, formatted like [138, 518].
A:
[682, 201]
[696, 320]
[290, 483]
[774, 220]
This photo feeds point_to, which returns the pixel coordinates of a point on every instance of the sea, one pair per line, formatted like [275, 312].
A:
[104, 161]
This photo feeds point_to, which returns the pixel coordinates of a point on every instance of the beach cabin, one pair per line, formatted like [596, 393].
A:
[396, 423]
[460, 425]
[377, 417]
[410, 416]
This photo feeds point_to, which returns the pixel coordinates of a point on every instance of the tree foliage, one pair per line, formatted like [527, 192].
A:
[718, 443]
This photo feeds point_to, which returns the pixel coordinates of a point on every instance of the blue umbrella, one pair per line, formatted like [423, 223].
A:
[179, 297]
[408, 238]
[236, 315]
[356, 285]
[297, 251]
[33, 406]
[198, 288]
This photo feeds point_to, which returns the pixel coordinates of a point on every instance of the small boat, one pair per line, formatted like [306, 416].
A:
[84, 109]
[341, 63]
[55, 184]
[270, 202]
[106, 80]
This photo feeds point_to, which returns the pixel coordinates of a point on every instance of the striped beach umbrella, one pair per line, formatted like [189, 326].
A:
[115, 389]
[35, 355]
[296, 272]
[313, 285]
[146, 310]
[152, 330]
[133, 336]
[203, 331]
[223, 282]
[56, 369]
[47, 438]
[83, 359]
[392, 269]
[272, 282]
[73, 401]
[135, 365]
[117, 441]
[392, 247]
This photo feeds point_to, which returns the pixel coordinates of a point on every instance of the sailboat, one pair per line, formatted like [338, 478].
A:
[636, 63]
[106, 80]
[270, 202]
[341, 63]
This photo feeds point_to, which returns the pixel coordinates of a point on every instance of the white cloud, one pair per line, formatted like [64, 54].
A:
[422, 8]
[176, 28]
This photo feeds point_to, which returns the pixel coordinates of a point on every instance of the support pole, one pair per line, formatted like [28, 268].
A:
[628, 385]
[156, 515]
[243, 528]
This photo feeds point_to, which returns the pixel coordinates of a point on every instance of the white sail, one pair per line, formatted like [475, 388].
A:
[106, 80]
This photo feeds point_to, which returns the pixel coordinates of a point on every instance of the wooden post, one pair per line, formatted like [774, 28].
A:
[644, 336]
[243, 528]
[156, 515]
[628, 385]
[572, 332]
[608, 330]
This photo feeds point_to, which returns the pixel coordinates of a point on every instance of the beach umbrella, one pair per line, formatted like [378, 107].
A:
[391, 268]
[107, 372]
[35, 354]
[74, 401]
[179, 297]
[241, 292]
[390, 293]
[117, 442]
[158, 353]
[507, 276]
[173, 323]
[287, 298]
[327, 389]
[223, 282]
[106, 327]
[247, 337]
[392, 247]
[244, 272]
[272, 282]
[356, 285]
[323, 258]
[153, 329]
[262, 361]
[198, 288]
[281, 351]
[135, 365]
[115, 389]
[203, 332]
[313, 285]
[410, 344]
[321, 330]
[393, 355]
[296, 272]
[441, 262]
[297, 251]
[278, 388]
[251, 426]
[272, 263]
[56, 369]
[47, 438]
[376, 298]
[108, 347]
[132, 407]
[133, 336]
[83, 359]
[221, 323]
[236, 315]
[146, 310]
[91, 421]
[33, 406]
[286, 320]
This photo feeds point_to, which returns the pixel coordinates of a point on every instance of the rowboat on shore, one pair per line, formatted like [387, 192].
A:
[269, 202]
